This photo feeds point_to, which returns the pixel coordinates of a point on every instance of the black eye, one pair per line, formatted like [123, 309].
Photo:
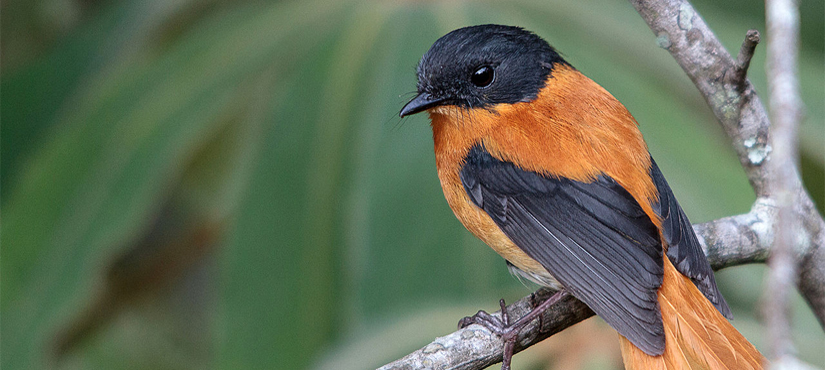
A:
[483, 76]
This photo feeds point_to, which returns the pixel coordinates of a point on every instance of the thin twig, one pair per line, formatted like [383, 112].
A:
[782, 18]
[743, 60]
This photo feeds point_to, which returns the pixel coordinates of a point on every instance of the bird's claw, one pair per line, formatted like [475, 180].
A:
[501, 327]
[504, 329]
[484, 319]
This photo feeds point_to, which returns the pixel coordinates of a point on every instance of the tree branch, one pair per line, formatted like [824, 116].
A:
[730, 96]
[728, 241]
[735, 104]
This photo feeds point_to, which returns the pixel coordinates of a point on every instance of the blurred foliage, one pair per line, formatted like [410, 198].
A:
[225, 184]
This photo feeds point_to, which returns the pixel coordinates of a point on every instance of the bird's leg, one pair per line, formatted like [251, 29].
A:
[509, 332]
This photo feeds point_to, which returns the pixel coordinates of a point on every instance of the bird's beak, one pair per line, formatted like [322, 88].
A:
[420, 103]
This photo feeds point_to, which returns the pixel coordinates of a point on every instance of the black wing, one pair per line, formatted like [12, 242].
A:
[683, 249]
[593, 237]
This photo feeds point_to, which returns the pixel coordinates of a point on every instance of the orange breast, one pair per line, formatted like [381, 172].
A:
[574, 129]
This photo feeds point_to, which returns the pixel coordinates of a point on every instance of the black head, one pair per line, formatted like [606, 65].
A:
[481, 66]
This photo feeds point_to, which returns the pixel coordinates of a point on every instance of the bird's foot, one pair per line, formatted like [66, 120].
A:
[502, 327]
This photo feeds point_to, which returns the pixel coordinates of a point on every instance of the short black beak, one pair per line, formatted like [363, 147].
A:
[420, 103]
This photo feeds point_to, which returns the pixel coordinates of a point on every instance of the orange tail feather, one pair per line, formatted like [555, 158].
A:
[697, 336]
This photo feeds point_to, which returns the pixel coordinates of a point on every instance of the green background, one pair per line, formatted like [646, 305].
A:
[226, 184]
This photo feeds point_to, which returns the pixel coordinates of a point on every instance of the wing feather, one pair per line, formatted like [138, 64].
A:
[684, 250]
[594, 238]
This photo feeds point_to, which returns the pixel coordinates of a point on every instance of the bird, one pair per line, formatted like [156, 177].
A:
[550, 170]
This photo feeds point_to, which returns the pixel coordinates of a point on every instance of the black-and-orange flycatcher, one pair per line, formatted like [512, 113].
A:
[551, 171]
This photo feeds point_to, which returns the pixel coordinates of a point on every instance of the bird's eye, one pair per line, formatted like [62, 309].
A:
[483, 76]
